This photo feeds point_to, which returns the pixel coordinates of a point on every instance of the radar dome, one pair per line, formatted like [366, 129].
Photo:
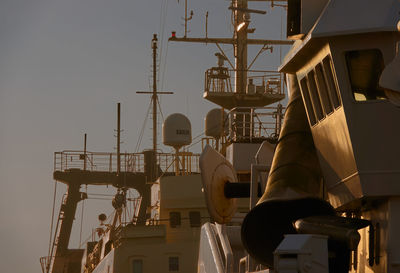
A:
[213, 123]
[177, 131]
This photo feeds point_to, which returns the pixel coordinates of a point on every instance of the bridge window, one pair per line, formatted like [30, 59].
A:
[320, 92]
[174, 219]
[330, 81]
[307, 101]
[173, 263]
[364, 68]
[314, 95]
[323, 90]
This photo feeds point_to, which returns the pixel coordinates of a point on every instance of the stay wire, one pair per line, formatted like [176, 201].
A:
[164, 68]
[159, 107]
[162, 58]
[82, 210]
[142, 129]
[52, 216]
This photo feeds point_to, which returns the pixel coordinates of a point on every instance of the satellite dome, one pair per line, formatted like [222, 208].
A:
[177, 131]
[213, 123]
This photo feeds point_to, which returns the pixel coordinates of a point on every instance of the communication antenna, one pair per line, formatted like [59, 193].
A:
[118, 138]
[187, 19]
[207, 24]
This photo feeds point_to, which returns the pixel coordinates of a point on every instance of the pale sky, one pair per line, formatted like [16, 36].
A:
[64, 65]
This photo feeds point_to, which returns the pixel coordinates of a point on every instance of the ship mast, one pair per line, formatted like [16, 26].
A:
[240, 49]
[154, 93]
[154, 97]
[239, 41]
[241, 99]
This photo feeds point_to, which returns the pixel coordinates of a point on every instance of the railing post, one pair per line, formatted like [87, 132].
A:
[84, 153]
[125, 162]
[230, 126]
[251, 124]
[55, 162]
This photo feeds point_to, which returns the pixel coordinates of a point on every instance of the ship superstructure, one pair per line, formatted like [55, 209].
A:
[331, 199]
[163, 232]
[234, 172]
[159, 230]
[246, 94]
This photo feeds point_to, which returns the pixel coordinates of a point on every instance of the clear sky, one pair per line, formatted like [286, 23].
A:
[64, 65]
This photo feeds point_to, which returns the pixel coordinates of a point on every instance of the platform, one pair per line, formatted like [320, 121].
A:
[230, 100]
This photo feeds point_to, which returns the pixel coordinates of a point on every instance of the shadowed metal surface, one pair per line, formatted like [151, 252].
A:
[294, 187]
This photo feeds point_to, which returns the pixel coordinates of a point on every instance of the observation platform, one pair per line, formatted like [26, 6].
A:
[263, 88]
[98, 168]
[232, 100]
[82, 177]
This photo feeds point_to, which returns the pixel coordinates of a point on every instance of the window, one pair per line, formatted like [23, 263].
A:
[364, 68]
[137, 266]
[314, 95]
[323, 90]
[330, 82]
[320, 92]
[293, 17]
[195, 218]
[174, 219]
[307, 100]
[173, 264]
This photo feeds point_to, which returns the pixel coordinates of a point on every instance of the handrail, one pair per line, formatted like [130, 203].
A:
[209, 251]
[130, 162]
[249, 123]
[218, 79]
[50, 259]
[44, 261]
[226, 247]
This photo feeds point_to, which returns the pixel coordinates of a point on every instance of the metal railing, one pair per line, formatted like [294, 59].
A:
[44, 263]
[130, 162]
[248, 124]
[218, 79]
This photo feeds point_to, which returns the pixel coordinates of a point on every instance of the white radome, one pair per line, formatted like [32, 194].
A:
[213, 123]
[177, 131]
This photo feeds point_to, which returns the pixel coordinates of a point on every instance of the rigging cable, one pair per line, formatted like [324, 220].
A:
[142, 129]
[162, 60]
[164, 67]
[193, 140]
[163, 16]
[161, 113]
[82, 210]
[280, 46]
[52, 216]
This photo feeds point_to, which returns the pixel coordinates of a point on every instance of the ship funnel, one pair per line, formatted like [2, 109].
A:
[294, 187]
